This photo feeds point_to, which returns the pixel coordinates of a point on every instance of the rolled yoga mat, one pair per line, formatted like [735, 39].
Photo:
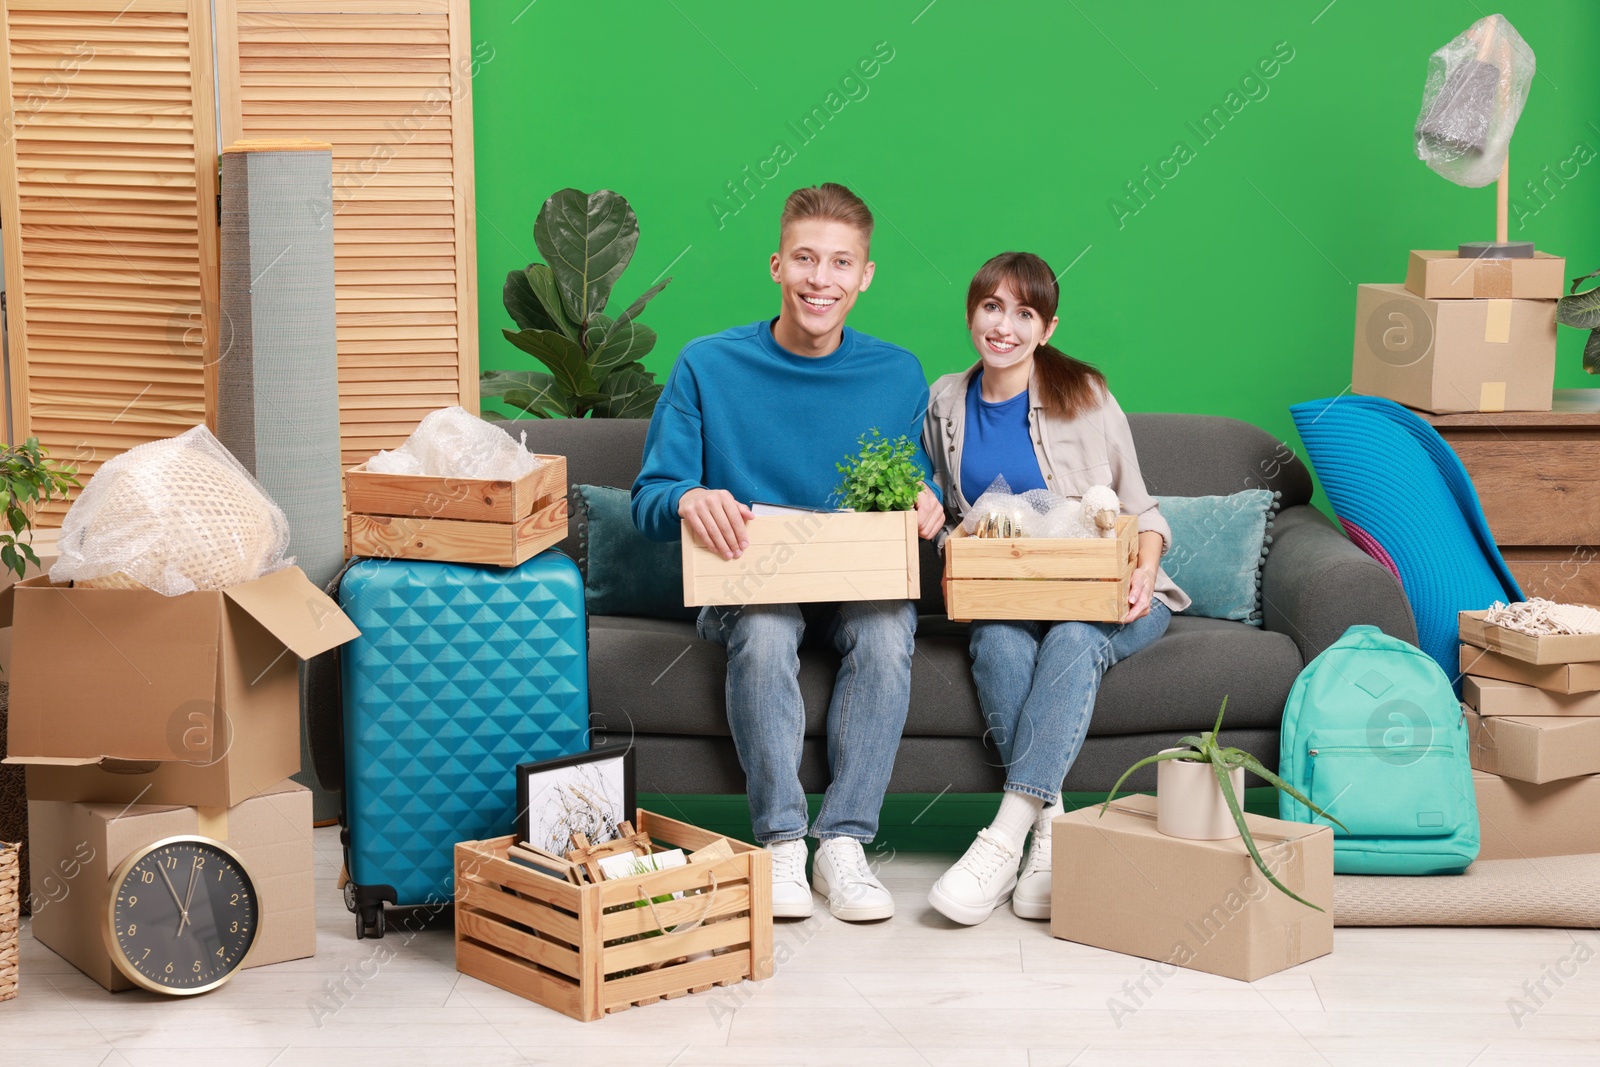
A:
[278, 374]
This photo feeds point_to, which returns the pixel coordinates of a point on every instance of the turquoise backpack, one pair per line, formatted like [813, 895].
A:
[1374, 735]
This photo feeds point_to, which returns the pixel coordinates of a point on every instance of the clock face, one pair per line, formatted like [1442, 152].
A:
[183, 915]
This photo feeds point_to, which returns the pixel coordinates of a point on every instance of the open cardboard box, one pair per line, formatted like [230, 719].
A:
[76, 847]
[124, 694]
[1541, 650]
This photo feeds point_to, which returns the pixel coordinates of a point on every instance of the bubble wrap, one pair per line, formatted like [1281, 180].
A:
[1473, 97]
[454, 443]
[175, 516]
[1039, 512]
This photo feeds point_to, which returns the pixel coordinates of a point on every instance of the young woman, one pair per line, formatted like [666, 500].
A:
[1045, 421]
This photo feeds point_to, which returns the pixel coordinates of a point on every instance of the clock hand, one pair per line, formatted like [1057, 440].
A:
[183, 912]
[188, 896]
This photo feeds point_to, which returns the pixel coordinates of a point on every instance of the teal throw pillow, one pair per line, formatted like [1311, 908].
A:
[623, 572]
[1219, 544]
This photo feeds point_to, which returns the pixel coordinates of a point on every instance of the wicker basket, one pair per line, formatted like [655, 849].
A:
[10, 918]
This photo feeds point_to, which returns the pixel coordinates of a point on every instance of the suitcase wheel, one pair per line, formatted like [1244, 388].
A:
[370, 921]
[350, 897]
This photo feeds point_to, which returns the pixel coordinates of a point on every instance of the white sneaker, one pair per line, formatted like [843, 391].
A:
[853, 891]
[1031, 899]
[980, 881]
[791, 894]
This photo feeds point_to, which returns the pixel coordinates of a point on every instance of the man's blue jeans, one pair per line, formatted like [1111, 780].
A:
[768, 718]
[1037, 683]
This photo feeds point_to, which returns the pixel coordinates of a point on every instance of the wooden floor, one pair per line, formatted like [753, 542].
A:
[912, 991]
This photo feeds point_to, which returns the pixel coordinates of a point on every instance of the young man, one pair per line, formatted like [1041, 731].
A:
[764, 412]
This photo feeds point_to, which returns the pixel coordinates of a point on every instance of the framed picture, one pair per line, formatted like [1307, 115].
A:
[591, 792]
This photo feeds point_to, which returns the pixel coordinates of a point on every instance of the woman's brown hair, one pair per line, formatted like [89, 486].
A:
[1068, 387]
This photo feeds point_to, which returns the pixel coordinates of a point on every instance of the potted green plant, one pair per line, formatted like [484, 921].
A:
[591, 359]
[28, 478]
[1227, 767]
[1582, 311]
[882, 476]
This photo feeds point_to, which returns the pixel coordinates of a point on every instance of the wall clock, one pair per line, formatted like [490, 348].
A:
[182, 916]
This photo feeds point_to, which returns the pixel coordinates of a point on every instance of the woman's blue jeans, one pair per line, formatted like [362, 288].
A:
[768, 717]
[1037, 683]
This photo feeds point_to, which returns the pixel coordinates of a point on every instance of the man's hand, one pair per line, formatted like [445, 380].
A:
[1144, 583]
[930, 514]
[717, 520]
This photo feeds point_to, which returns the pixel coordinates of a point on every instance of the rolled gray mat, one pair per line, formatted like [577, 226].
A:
[278, 373]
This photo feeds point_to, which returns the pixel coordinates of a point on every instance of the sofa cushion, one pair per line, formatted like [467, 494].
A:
[1218, 546]
[623, 572]
[657, 677]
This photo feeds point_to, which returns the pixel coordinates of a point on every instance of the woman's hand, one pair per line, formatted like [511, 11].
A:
[930, 514]
[1144, 584]
[1144, 575]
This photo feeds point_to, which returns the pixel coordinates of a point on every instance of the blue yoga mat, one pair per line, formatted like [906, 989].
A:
[1389, 473]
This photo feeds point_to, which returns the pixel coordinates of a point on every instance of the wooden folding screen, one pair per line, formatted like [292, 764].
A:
[108, 183]
[107, 198]
[388, 83]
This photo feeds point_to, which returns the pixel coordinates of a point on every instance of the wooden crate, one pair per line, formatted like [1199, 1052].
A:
[809, 557]
[473, 499]
[1041, 578]
[457, 520]
[577, 949]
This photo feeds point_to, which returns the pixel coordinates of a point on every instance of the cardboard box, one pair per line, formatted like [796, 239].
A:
[1534, 750]
[1444, 275]
[1491, 696]
[200, 693]
[1555, 677]
[1454, 355]
[1541, 650]
[76, 847]
[44, 545]
[1119, 884]
[809, 557]
[1041, 577]
[1521, 820]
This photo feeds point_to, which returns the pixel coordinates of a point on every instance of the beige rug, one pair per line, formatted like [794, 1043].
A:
[1551, 891]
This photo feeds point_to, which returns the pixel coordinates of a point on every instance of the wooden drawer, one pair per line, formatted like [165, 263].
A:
[1568, 575]
[1538, 487]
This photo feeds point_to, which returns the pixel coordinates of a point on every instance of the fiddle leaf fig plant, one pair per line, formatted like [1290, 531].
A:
[1582, 311]
[28, 478]
[1207, 748]
[882, 476]
[591, 360]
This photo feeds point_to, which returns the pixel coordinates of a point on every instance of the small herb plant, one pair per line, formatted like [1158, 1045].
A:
[882, 476]
[28, 477]
[1207, 748]
[1582, 311]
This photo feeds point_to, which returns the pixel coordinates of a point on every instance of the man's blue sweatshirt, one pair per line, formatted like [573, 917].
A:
[742, 413]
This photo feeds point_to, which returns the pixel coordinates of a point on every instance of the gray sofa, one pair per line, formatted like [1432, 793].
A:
[655, 681]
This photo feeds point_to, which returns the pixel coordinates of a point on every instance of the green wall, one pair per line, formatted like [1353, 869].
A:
[1230, 291]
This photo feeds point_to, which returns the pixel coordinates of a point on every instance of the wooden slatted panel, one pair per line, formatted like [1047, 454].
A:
[107, 193]
[388, 84]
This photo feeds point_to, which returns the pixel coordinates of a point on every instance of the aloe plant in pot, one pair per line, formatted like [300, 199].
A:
[1227, 766]
[591, 360]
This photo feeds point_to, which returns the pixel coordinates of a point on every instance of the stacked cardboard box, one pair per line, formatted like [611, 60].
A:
[140, 717]
[1533, 708]
[1461, 335]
